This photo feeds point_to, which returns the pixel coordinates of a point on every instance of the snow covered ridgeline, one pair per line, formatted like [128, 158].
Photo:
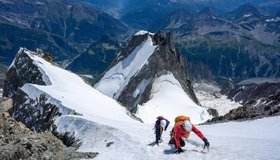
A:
[99, 122]
[66, 89]
[66, 100]
[148, 76]
[115, 80]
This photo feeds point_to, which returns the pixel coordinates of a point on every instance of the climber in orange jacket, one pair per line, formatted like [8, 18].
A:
[182, 129]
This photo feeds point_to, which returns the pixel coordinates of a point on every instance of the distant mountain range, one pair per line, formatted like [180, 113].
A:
[219, 39]
[96, 59]
[244, 44]
[62, 28]
[140, 13]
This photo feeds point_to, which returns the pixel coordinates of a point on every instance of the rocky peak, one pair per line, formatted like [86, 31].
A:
[245, 11]
[163, 59]
[22, 71]
[135, 41]
[207, 13]
[162, 38]
[36, 113]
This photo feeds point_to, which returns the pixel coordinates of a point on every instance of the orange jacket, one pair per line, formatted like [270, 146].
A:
[179, 132]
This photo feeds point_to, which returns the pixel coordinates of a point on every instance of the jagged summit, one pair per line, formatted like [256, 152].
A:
[148, 62]
[244, 11]
[207, 13]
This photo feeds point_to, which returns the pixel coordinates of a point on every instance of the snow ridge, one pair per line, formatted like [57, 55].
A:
[115, 80]
[167, 98]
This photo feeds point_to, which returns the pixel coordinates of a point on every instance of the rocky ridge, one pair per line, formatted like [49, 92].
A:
[258, 101]
[38, 113]
[19, 142]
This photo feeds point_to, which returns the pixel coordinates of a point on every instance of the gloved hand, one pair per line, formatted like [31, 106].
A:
[206, 143]
[180, 150]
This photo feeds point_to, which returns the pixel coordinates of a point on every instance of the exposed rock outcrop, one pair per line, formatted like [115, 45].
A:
[259, 100]
[264, 107]
[22, 71]
[165, 59]
[249, 92]
[19, 142]
[36, 113]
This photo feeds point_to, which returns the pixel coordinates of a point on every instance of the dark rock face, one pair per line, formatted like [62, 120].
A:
[213, 112]
[246, 93]
[18, 142]
[258, 101]
[3, 70]
[23, 71]
[264, 107]
[36, 114]
[164, 60]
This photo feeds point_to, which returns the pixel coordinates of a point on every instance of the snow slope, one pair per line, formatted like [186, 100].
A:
[105, 127]
[205, 94]
[69, 90]
[170, 100]
[114, 80]
[258, 140]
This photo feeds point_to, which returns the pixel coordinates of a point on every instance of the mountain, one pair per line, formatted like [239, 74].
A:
[97, 58]
[271, 7]
[100, 125]
[229, 5]
[31, 76]
[255, 89]
[111, 7]
[62, 28]
[143, 72]
[49, 98]
[244, 11]
[264, 28]
[260, 97]
[216, 47]
[139, 14]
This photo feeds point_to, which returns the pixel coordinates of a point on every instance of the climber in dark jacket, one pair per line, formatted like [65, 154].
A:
[160, 126]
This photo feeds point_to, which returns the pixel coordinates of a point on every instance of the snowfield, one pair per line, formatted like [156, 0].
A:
[105, 126]
[258, 140]
[169, 99]
[205, 94]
